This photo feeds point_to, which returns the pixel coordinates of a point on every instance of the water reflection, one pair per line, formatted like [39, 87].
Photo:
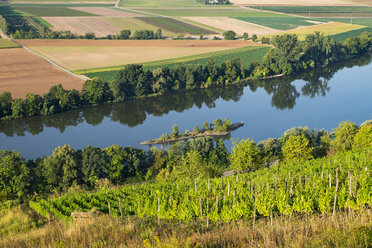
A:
[132, 113]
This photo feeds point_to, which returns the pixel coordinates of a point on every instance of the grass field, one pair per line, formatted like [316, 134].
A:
[7, 10]
[316, 9]
[246, 54]
[44, 22]
[213, 12]
[343, 36]
[134, 24]
[328, 29]
[359, 20]
[160, 3]
[175, 26]
[4, 43]
[282, 23]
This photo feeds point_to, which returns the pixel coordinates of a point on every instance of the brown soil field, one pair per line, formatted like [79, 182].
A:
[107, 12]
[239, 27]
[82, 25]
[302, 2]
[23, 72]
[88, 54]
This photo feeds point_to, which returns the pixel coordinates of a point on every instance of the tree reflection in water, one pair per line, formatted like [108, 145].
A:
[134, 112]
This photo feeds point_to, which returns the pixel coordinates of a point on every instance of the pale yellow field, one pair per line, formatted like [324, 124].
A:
[301, 2]
[239, 27]
[79, 55]
[327, 28]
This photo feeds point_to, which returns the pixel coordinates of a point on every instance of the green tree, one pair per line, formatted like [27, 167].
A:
[95, 165]
[95, 91]
[226, 124]
[196, 129]
[206, 126]
[218, 126]
[117, 158]
[34, 104]
[175, 131]
[229, 35]
[297, 149]
[344, 136]
[124, 34]
[61, 169]
[158, 34]
[5, 104]
[364, 137]
[254, 37]
[245, 36]
[245, 156]
[14, 175]
[18, 108]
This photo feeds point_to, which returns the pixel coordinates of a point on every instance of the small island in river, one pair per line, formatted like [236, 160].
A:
[217, 128]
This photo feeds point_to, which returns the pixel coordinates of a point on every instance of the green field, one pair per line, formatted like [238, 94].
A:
[364, 21]
[316, 9]
[175, 26]
[246, 54]
[343, 36]
[4, 43]
[44, 22]
[160, 3]
[281, 23]
[51, 11]
[7, 10]
[211, 12]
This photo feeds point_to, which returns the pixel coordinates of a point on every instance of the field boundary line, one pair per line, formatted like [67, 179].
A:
[83, 77]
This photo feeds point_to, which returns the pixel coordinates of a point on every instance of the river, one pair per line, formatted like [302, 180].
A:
[320, 98]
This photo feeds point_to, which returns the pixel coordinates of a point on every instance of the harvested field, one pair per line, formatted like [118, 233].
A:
[23, 72]
[101, 11]
[299, 2]
[176, 26]
[82, 25]
[85, 54]
[163, 3]
[134, 24]
[331, 28]
[238, 26]
[5, 43]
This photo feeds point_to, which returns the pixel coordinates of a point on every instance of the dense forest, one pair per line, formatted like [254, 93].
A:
[289, 56]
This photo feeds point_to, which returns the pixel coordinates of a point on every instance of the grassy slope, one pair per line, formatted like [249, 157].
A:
[175, 26]
[213, 12]
[281, 23]
[159, 3]
[7, 44]
[247, 54]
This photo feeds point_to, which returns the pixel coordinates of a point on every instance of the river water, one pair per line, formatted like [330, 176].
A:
[319, 98]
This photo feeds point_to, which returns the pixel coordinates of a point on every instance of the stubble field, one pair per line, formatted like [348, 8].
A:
[23, 72]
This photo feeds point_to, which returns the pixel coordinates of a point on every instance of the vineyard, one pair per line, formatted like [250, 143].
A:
[341, 182]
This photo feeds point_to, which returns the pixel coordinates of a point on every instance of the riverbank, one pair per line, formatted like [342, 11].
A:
[193, 135]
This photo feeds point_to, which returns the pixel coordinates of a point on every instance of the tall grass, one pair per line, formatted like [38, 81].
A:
[296, 231]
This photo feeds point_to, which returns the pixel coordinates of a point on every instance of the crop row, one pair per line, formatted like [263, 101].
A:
[342, 182]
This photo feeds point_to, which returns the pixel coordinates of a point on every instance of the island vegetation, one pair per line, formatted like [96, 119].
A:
[288, 56]
[305, 175]
[217, 128]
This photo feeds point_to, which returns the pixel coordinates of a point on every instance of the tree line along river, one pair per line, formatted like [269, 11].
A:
[319, 98]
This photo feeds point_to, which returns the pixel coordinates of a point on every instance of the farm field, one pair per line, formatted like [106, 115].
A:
[175, 26]
[210, 12]
[82, 25]
[331, 28]
[102, 11]
[316, 9]
[246, 54]
[23, 72]
[85, 54]
[282, 23]
[50, 11]
[5, 43]
[343, 36]
[238, 26]
[302, 2]
[358, 20]
[134, 24]
[160, 3]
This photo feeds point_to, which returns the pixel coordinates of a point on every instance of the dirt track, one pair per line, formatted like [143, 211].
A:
[137, 43]
[23, 72]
